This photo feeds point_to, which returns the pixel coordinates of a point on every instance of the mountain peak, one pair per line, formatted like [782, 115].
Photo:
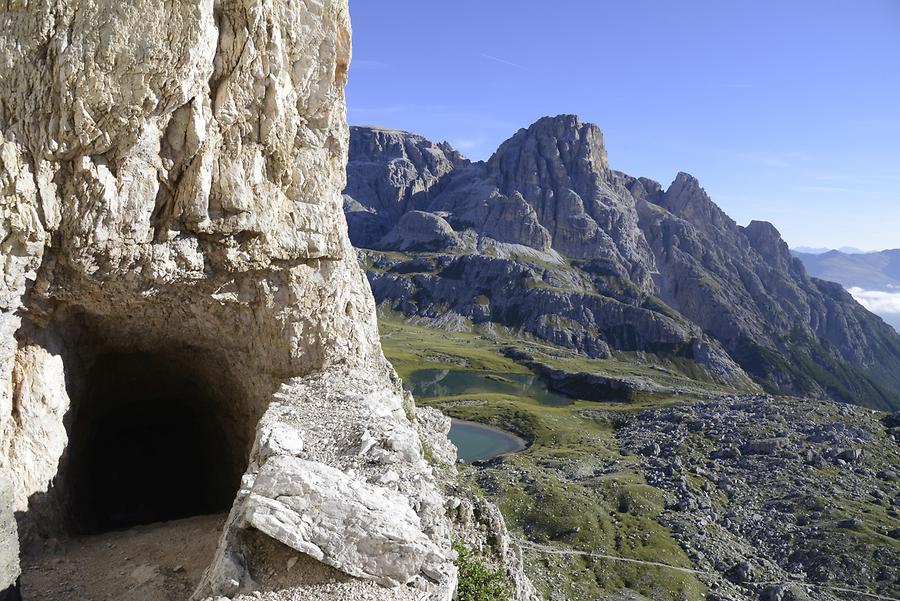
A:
[552, 154]
[687, 199]
[368, 141]
[548, 195]
[685, 179]
[764, 229]
[766, 240]
[565, 121]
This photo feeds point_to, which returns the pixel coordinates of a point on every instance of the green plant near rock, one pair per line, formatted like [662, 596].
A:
[478, 581]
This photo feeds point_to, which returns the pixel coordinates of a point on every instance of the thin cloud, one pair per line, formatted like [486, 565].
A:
[736, 86]
[852, 176]
[781, 160]
[502, 61]
[393, 109]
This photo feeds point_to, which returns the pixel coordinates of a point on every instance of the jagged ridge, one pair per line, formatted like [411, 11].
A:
[547, 239]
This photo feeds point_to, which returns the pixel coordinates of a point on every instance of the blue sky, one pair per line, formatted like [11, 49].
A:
[787, 111]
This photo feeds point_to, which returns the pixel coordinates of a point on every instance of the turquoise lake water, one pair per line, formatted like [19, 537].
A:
[477, 442]
[451, 382]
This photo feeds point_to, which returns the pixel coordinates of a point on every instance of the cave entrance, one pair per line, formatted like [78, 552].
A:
[152, 440]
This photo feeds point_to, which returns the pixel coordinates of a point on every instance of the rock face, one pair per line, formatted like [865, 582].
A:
[392, 170]
[421, 231]
[793, 333]
[549, 241]
[9, 542]
[174, 252]
[559, 166]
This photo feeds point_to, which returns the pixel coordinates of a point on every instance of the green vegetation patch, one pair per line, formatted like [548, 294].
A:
[477, 581]
[410, 348]
[572, 489]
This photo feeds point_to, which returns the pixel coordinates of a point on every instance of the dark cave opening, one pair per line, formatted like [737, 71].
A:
[151, 441]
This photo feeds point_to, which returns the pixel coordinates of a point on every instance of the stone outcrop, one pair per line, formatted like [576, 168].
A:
[392, 170]
[337, 473]
[548, 241]
[174, 248]
[560, 167]
[421, 231]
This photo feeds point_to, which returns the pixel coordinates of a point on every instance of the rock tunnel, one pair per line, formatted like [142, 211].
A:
[150, 441]
[142, 428]
[150, 426]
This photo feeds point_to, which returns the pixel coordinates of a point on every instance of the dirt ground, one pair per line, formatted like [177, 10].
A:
[156, 562]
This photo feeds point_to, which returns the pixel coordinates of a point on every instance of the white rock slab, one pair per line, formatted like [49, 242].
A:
[363, 530]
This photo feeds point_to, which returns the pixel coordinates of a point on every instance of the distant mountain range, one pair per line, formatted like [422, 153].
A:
[545, 239]
[819, 251]
[870, 271]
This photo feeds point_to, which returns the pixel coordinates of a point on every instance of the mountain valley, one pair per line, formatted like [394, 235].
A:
[685, 442]
[674, 495]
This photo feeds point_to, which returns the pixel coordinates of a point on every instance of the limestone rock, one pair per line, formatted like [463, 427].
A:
[514, 241]
[559, 165]
[394, 171]
[742, 286]
[154, 202]
[480, 524]
[366, 514]
[361, 529]
[9, 539]
[170, 209]
[433, 428]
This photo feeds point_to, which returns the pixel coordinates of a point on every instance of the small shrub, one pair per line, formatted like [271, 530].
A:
[477, 582]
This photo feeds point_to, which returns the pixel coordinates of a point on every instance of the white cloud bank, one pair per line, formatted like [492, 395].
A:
[876, 301]
[886, 305]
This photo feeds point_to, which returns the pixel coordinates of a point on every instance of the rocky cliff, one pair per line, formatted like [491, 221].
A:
[180, 300]
[547, 240]
[9, 543]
